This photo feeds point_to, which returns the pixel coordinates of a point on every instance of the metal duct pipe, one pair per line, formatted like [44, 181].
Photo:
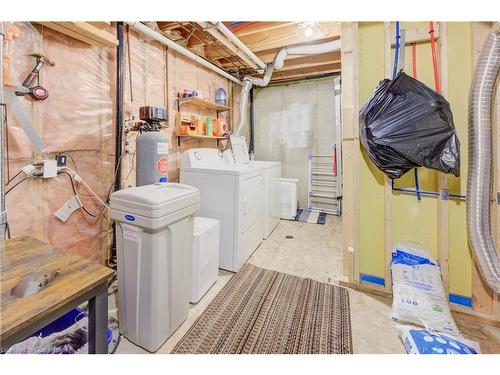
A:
[233, 38]
[3, 213]
[479, 180]
[226, 43]
[171, 44]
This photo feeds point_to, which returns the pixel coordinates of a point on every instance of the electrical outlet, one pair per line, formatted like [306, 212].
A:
[49, 168]
[61, 160]
[70, 206]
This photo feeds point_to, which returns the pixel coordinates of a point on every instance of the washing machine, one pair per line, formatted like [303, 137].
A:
[231, 193]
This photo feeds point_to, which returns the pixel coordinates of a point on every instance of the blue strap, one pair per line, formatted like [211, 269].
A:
[396, 52]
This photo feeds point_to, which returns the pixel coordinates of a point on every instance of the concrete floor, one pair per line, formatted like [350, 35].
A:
[313, 252]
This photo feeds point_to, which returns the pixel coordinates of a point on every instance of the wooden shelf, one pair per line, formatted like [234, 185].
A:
[199, 102]
[180, 136]
[85, 32]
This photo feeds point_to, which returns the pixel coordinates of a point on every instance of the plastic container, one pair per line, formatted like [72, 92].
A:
[221, 97]
[210, 129]
[154, 243]
[205, 259]
[288, 200]
[64, 322]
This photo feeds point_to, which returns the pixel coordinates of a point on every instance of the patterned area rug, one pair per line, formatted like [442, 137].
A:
[267, 312]
[311, 217]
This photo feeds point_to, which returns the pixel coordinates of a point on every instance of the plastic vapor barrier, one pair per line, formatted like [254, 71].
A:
[76, 118]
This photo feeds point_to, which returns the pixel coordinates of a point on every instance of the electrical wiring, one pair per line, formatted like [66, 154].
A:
[80, 180]
[17, 184]
[14, 177]
[75, 192]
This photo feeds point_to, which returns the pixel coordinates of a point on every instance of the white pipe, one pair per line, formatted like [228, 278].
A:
[222, 39]
[233, 38]
[305, 49]
[279, 60]
[171, 44]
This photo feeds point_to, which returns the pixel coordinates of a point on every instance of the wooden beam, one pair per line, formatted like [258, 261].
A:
[100, 24]
[262, 27]
[306, 72]
[167, 26]
[71, 33]
[310, 61]
[88, 31]
[350, 151]
[417, 35]
[442, 178]
[387, 181]
[286, 36]
[92, 32]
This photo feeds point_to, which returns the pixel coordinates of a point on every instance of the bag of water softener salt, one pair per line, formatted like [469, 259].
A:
[418, 293]
[420, 341]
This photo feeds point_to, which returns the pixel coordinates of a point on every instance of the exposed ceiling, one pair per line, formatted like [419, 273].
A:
[264, 39]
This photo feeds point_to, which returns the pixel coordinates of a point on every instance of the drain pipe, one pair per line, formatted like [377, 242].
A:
[171, 44]
[3, 213]
[233, 38]
[479, 179]
[226, 43]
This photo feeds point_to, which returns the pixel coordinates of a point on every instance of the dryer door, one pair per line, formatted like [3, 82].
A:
[251, 202]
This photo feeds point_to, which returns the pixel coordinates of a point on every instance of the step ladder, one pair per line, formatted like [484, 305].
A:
[324, 192]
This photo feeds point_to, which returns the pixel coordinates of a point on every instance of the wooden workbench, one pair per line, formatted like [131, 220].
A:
[77, 280]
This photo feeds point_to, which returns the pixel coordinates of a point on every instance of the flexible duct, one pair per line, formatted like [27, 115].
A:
[279, 60]
[479, 181]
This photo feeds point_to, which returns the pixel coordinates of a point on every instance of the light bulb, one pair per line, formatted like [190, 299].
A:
[308, 31]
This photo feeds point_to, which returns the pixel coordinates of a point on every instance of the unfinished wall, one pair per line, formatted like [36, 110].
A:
[158, 75]
[79, 118]
[410, 219]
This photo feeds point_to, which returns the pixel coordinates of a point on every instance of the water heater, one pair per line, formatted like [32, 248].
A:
[152, 149]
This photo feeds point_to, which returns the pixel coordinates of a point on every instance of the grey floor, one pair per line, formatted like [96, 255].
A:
[313, 252]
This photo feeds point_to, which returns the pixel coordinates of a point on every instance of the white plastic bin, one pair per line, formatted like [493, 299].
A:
[289, 197]
[154, 238]
[205, 259]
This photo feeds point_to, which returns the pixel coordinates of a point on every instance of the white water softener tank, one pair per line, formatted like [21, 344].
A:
[154, 244]
[152, 148]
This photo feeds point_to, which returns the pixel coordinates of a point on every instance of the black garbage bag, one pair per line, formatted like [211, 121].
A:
[405, 124]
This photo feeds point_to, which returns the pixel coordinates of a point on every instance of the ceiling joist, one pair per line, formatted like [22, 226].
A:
[265, 39]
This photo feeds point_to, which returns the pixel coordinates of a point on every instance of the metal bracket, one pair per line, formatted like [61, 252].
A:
[445, 194]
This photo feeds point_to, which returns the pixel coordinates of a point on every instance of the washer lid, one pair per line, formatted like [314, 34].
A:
[154, 201]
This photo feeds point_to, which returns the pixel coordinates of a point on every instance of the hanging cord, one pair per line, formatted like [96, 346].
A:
[414, 71]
